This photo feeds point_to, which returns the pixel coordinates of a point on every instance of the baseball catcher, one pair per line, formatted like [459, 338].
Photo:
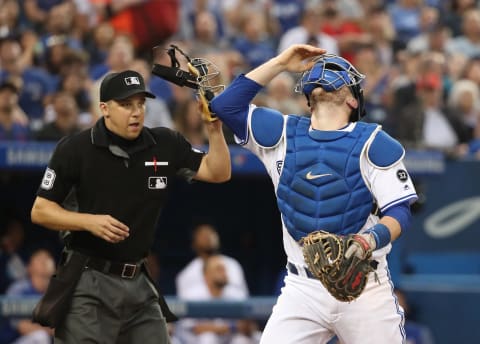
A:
[329, 170]
[201, 76]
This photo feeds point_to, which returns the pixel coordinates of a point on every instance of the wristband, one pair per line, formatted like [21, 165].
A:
[381, 234]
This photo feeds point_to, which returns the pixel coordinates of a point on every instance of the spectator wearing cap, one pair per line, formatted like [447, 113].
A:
[10, 127]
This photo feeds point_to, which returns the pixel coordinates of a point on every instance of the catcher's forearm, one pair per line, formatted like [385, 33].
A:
[393, 225]
[394, 231]
[395, 220]
[264, 73]
[232, 105]
[296, 58]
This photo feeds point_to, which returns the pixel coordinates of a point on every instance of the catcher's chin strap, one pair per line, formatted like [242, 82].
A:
[174, 73]
[194, 78]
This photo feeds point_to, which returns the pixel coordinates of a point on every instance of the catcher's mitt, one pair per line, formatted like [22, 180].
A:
[344, 278]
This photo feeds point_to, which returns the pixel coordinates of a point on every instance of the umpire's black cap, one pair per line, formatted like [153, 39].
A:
[122, 85]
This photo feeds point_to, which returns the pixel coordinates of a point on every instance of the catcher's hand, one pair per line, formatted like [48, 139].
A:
[325, 256]
[361, 245]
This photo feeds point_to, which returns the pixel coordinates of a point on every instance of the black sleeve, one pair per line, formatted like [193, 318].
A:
[61, 174]
[187, 158]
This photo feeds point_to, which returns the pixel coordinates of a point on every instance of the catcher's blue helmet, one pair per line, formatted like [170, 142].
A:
[332, 72]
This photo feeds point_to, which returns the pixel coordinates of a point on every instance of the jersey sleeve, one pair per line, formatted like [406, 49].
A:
[232, 105]
[61, 173]
[390, 186]
[187, 158]
[272, 156]
[265, 127]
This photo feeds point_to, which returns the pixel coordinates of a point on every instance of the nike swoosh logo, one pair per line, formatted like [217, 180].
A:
[311, 176]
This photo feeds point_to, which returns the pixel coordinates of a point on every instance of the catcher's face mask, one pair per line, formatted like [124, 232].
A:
[202, 75]
[332, 72]
[207, 75]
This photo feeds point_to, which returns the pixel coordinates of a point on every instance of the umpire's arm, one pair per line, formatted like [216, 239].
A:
[215, 166]
[52, 215]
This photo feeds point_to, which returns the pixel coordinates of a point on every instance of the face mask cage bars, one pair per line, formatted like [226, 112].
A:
[201, 73]
[341, 73]
[208, 75]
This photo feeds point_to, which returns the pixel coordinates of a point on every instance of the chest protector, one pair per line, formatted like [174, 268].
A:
[321, 186]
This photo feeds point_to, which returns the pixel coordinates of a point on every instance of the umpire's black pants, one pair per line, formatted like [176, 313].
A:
[108, 309]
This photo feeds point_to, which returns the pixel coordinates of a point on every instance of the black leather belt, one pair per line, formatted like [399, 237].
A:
[294, 270]
[123, 270]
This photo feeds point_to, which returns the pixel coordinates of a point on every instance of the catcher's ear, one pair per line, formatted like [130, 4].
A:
[352, 103]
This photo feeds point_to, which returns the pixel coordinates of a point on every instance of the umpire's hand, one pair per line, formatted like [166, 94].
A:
[107, 228]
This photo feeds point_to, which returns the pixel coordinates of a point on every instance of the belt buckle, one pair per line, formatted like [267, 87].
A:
[129, 271]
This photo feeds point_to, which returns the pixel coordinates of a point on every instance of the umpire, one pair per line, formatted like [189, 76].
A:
[120, 173]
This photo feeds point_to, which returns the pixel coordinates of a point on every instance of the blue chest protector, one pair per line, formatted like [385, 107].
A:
[321, 187]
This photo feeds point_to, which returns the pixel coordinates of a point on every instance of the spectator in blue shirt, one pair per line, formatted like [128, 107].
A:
[40, 268]
[254, 42]
[405, 16]
[288, 13]
[36, 11]
[11, 126]
[37, 84]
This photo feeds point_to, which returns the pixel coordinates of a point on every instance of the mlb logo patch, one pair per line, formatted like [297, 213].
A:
[132, 80]
[156, 183]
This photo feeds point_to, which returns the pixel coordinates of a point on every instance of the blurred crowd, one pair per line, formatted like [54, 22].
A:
[421, 59]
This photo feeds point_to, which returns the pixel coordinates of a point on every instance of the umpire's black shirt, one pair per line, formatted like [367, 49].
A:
[125, 179]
